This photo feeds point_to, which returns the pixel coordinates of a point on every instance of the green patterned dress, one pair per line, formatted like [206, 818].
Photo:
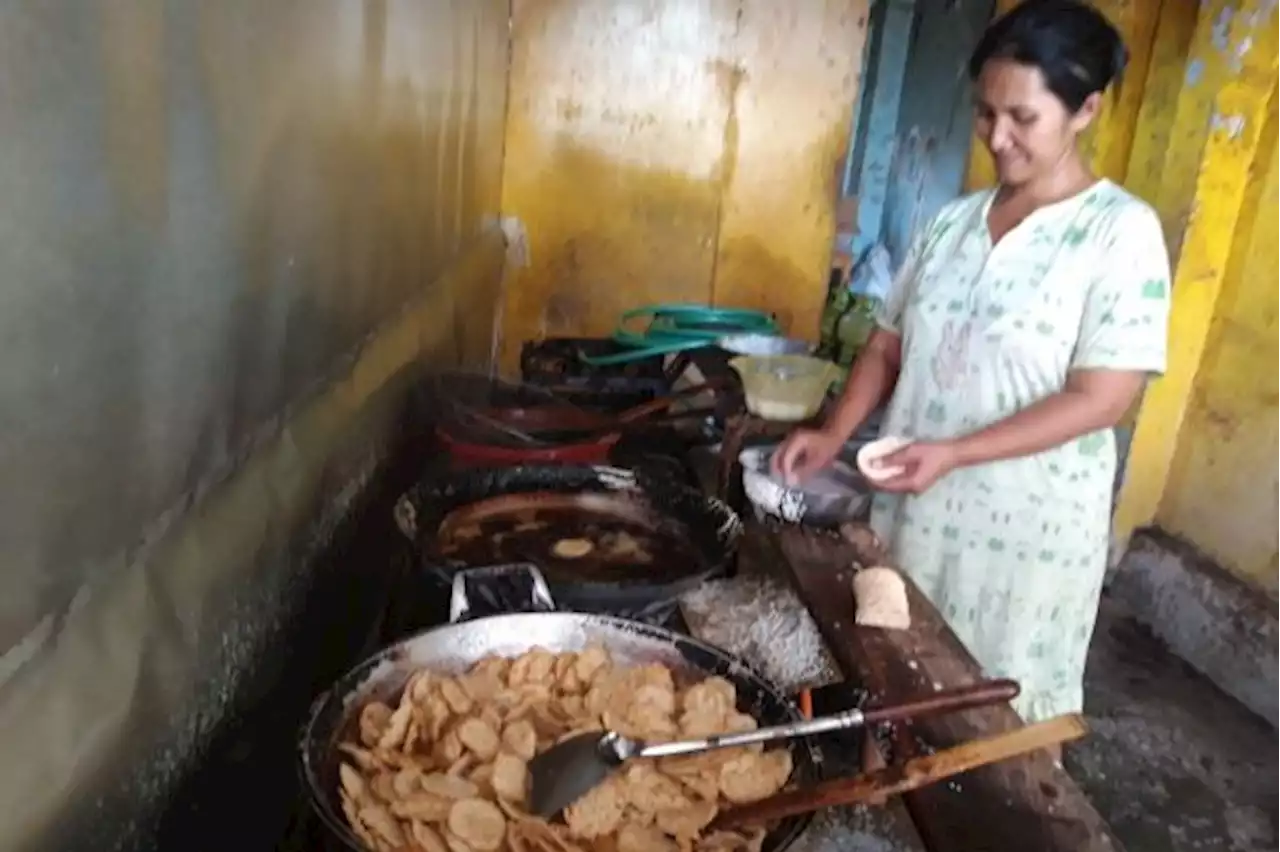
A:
[1013, 552]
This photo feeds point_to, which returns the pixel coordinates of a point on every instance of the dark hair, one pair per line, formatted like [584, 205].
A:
[1075, 47]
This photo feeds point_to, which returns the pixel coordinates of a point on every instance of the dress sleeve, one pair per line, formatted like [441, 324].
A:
[1126, 315]
[889, 314]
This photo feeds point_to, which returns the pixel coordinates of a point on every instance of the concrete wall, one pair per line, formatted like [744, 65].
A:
[675, 150]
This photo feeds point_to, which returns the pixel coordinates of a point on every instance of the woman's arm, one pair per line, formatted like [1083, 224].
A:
[872, 378]
[1091, 400]
[871, 381]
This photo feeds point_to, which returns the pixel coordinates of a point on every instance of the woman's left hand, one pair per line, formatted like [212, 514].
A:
[924, 463]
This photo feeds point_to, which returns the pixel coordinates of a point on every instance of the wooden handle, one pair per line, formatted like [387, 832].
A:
[913, 774]
[979, 694]
[654, 406]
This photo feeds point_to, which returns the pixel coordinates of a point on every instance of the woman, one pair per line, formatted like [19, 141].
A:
[1022, 326]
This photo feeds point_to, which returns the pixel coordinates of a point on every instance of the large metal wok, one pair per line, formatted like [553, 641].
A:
[456, 646]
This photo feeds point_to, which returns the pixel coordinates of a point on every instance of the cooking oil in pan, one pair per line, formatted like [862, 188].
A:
[575, 545]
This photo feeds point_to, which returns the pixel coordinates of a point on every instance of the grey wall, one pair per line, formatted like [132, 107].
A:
[223, 226]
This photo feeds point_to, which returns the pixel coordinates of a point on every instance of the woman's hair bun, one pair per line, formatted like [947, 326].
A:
[1075, 47]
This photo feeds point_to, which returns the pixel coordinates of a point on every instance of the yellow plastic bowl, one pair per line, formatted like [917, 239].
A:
[784, 388]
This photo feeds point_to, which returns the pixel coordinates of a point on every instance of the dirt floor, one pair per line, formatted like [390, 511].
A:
[1172, 763]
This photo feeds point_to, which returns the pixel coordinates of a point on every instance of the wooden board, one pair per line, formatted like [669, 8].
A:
[1024, 804]
[891, 822]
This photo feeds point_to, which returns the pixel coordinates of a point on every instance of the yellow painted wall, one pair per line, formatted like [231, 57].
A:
[674, 150]
[1222, 488]
[1189, 471]
[1191, 129]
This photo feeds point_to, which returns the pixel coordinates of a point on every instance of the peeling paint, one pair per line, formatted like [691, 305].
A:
[1259, 15]
[1232, 125]
[1221, 37]
[1195, 72]
[1236, 60]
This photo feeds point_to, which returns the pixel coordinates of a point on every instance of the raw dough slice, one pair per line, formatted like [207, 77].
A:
[572, 548]
[870, 455]
[881, 599]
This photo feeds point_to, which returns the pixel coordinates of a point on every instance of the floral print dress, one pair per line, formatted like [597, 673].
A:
[1013, 552]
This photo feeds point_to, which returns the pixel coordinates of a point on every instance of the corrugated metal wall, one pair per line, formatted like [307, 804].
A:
[224, 226]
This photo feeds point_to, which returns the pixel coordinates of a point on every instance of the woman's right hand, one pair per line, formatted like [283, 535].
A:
[804, 453]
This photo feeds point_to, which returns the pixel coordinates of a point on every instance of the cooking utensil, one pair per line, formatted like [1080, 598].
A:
[563, 419]
[835, 494]
[707, 526]
[910, 775]
[622, 539]
[563, 773]
[548, 434]
[556, 364]
[455, 647]
[784, 388]
[485, 451]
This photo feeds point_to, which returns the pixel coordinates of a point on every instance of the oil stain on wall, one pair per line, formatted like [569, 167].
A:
[664, 151]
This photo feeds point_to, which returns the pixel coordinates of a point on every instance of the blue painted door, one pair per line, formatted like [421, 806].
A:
[935, 117]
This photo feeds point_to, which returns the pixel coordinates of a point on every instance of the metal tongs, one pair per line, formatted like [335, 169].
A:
[565, 772]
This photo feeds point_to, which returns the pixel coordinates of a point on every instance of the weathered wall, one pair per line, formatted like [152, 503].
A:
[664, 151]
[225, 229]
[1221, 492]
[1207, 145]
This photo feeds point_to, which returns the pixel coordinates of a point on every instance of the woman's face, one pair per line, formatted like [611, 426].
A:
[1024, 125]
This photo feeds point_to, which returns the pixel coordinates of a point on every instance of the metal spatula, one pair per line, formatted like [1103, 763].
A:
[565, 772]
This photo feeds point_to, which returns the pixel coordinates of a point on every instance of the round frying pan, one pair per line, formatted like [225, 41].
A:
[455, 647]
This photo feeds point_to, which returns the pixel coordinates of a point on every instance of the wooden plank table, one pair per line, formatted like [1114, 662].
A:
[1024, 805]
[848, 830]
